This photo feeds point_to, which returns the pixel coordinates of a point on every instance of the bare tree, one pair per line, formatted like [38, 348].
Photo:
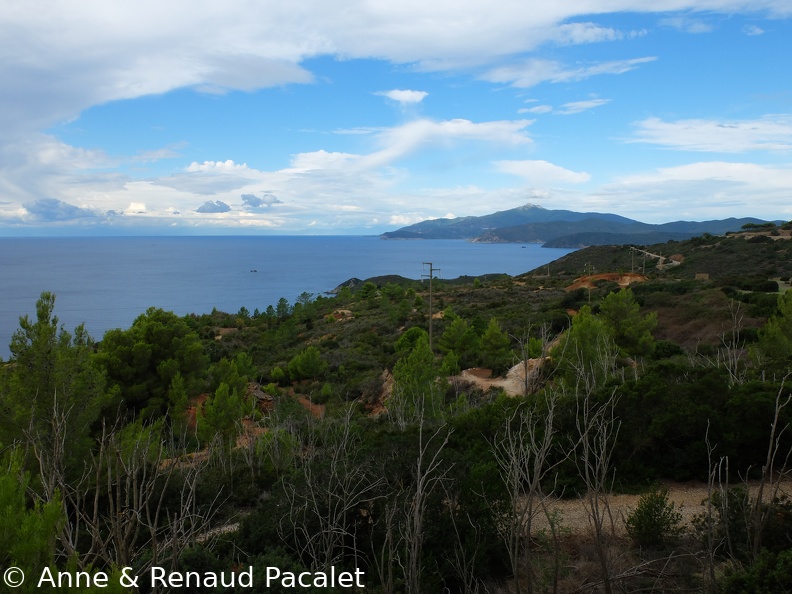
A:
[717, 477]
[731, 353]
[336, 484]
[429, 472]
[522, 450]
[117, 510]
[463, 560]
[774, 470]
[598, 428]
[386, 558]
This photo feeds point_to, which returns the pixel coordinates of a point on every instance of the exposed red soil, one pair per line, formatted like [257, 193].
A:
[621, 279]
[317, 410]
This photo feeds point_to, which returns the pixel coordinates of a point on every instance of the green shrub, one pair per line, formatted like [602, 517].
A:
[655, 522]
[770, 574]
[665, 349]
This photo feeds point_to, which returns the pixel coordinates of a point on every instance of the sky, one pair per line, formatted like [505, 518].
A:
[363, 116]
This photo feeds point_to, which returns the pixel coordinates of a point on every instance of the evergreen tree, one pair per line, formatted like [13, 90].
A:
[221, 413]
[631, 331]
[460, 337]
[53, 389]
[143, 360]
[774, 349]
[496, 350]
[415, 387]
[587, 353]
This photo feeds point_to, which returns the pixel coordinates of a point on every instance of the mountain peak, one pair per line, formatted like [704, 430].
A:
[529, 205]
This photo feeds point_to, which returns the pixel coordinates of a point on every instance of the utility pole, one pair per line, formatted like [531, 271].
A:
[432, 270]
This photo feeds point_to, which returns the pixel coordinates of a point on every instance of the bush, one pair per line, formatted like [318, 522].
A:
[655, 522]
[770, 573]
[665, 349]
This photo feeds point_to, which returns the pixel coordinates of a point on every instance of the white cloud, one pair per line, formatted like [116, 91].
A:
[41, 167]
[541, 173]
[218, 167]
[403, 140]
[322, 160]
[536, 109]
[736, 172]
[687, 24]
[752, 30]
[576, 33]
[769, 133]
[403, 220]
[534, 71]
[703, 190]
[404, 96]
[580, 106]
[51, 69]
[135, 208]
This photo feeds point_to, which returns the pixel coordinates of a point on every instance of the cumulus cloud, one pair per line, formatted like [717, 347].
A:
[47, 210]
[136, 208]
[217, 167]
[404, 96]
[210, 177]
[770, 133]
[753, 30]
[541, 173]
[534, 71]
[215, 207]
[251, 201]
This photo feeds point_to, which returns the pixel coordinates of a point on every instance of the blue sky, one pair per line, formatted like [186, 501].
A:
[330, 117]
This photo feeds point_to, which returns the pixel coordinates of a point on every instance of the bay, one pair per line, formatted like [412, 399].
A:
[106, 282]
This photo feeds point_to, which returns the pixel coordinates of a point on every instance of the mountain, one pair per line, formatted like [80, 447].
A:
[470, 227]
[562, 228]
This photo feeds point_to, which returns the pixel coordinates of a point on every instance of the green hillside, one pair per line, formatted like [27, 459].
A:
[399, 435]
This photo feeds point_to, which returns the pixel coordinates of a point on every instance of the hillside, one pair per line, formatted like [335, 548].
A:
[328, 429]
[747, 254]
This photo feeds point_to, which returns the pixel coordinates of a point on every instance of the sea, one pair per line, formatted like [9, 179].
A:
[106, 282]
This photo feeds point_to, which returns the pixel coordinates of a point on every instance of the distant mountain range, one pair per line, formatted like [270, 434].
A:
[562, 228]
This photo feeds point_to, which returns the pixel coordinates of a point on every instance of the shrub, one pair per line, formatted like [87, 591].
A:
[655, 522]
[770, 573]
[665, 349]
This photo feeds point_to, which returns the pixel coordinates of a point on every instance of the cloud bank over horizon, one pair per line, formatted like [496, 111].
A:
[196, 117]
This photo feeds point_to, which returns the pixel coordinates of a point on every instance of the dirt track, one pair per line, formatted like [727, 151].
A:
[690, 499]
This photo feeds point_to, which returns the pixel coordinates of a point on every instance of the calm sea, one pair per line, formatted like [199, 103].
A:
[107, 282]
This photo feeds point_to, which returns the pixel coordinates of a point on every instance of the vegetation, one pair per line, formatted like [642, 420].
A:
[329, 433]
[655, 521]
